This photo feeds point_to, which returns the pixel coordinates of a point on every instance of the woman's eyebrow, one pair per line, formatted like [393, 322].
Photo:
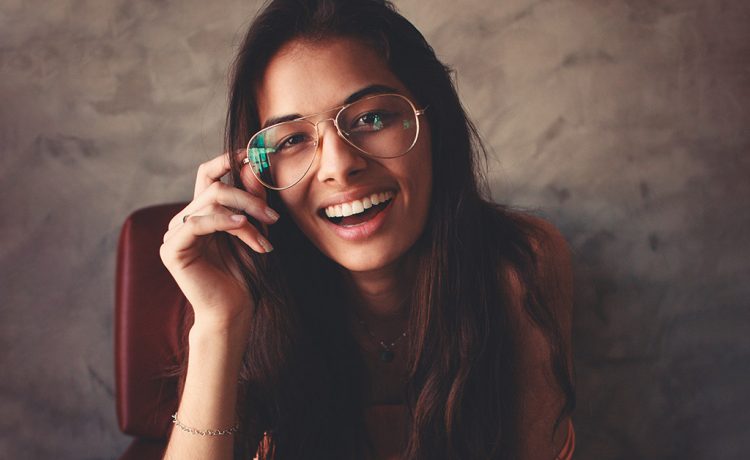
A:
[275, 120]
[368, 91]
[359, 94]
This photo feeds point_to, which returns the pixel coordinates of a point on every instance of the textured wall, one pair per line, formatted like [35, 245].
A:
[625, 122]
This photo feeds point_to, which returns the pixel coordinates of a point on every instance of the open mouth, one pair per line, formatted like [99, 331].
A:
[358, 211]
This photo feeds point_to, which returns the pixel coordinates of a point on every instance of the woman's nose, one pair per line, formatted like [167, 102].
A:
[338, 161]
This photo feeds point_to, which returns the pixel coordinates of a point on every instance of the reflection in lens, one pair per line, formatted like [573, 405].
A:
[280, 155]
[258, 154]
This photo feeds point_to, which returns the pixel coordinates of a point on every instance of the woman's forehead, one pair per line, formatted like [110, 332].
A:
[307, 77]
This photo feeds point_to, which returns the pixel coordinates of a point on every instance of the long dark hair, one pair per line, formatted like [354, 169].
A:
[303, 375]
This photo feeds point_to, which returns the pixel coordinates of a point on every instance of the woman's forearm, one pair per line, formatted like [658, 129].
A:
[209, 396]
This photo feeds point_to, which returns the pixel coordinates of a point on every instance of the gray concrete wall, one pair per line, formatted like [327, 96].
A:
[625, 122]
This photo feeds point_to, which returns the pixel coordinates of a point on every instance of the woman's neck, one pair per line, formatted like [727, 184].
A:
[380, 297]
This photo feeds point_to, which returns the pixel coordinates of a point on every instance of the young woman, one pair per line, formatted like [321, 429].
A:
[355, 294]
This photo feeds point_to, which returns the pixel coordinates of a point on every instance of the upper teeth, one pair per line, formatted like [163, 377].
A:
[357, 206]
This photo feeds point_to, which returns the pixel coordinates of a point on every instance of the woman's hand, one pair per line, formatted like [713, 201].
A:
[208, 276]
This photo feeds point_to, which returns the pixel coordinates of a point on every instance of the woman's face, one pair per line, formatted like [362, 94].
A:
[307, 78]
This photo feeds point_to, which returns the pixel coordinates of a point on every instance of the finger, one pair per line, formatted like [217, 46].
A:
[211, 171]
[252, 237]
[180, 219]
[177, 219]
[233, 198]
[181, 239]
[196, 227]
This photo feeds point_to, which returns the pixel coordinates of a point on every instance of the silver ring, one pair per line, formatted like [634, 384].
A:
[185, 218]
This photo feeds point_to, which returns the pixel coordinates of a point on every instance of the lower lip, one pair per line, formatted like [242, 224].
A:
[365, 229]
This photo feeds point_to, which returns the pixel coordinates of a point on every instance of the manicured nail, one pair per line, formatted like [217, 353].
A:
[238, 218]
[265, 244]
[273, 215]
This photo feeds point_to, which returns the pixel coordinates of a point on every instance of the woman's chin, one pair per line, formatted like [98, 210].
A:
[364, 264]
[383, 259]
[365, 260]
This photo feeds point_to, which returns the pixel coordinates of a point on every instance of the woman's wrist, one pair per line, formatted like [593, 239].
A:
[229, 338]
[221, 327]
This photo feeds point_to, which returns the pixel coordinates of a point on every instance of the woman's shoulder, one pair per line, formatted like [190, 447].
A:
[524, 237]
[540, 232]
[550, 275]
[530, 256]
[548, 245]
[543, 265]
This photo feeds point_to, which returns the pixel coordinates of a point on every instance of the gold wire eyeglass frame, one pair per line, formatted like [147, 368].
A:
[341, 134]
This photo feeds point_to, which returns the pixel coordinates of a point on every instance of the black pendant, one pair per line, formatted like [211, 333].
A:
[387, 356]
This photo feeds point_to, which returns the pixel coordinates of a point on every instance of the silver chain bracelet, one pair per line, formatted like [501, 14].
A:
[191, 430]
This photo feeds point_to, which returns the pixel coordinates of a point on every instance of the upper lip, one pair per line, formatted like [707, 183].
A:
[351, 195]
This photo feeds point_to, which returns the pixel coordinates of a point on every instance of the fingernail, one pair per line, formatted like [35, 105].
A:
[237, 218]
[273, 215]
[265, 244]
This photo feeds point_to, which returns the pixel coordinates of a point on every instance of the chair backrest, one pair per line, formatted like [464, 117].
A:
[149, 313]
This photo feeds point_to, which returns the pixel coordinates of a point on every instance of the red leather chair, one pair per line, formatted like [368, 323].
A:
[149, 312]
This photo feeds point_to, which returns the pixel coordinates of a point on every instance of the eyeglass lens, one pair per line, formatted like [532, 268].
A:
[383, 126]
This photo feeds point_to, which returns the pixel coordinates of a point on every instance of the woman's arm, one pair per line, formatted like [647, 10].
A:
[540, 398]
[217, 291]
[209, 395]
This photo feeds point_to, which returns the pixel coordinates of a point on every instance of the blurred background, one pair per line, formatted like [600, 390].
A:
[624, 122]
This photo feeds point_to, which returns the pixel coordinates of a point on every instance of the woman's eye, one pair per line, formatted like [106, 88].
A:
[291, 141]
[372, 121]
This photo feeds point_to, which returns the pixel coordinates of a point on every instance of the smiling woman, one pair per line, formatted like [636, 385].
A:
[401, 314]
[341, 174]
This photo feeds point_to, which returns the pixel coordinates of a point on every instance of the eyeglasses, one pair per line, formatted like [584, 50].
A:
[380, 126]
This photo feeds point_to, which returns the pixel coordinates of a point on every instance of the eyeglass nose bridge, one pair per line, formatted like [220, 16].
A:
[339, 133]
